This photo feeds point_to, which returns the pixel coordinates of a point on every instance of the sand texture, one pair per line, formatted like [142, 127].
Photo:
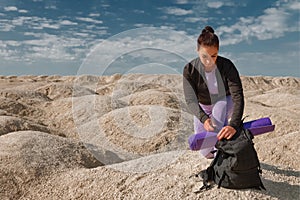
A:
[125, 137]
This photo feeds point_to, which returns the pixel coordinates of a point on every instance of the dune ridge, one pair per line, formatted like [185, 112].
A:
[125, 137]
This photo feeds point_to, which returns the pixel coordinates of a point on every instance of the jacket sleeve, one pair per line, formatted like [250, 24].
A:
[236, 91]
[190, 94]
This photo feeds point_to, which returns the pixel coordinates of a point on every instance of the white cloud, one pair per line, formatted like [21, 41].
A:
[69, 45]
[294, 5]
[8, 51]
[105, 5]
[87, 19]
[94, 14]
[23, 11]
[6, 54]
[55, 48]
[44, 39]
[271, 24]
[19, 21]
[11, 8]
[140, 25]
[54, 53]
[82, 34]
[6, 26]
[13, 43]
[51, 26]
[138, 11]
[37, 42]
[33, 22]
[142, 45]
[2, 44]
[195, 19]
[182, 1]
[53, 7]
[176, 11]
[164, 17]
[274, 23]
[67, 22]
[215, 4]
[32, 34]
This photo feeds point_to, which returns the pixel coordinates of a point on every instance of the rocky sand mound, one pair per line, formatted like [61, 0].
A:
[125, 137]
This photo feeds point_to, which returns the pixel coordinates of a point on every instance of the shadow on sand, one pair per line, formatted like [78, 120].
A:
[278, 189]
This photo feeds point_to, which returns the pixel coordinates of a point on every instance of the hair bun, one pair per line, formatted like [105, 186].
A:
[208, 29]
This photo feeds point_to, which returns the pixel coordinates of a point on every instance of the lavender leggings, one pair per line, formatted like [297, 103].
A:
[219, 112]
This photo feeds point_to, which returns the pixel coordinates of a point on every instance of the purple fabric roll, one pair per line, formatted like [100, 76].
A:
[258, 123]
[260, 130]
[259, 126]
[202, 140]
[208, 139]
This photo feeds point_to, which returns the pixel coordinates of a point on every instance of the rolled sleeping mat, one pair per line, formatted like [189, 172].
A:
[208, 139]
[259, 126]
[202, 140]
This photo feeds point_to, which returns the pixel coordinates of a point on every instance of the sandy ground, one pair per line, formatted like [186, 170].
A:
[125, 137]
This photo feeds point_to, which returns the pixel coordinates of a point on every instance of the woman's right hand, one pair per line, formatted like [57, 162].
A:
[208, 125]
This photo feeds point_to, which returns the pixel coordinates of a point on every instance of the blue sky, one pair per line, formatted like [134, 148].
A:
[58, 37]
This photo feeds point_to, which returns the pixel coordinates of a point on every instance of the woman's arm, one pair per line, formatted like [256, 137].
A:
[236, 91]
[237, 95]
[190, 94]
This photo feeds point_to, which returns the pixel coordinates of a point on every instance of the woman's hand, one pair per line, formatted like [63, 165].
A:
[208, 125]
[226, 132]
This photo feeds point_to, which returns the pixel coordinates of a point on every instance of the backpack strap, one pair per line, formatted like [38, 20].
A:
[205, 186]
[207, 175]
[215, 158]
[259, 171]
[221, 179]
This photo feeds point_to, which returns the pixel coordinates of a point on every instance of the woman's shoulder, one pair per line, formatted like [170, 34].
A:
[226, 66]
[192, 66]
[224, 60]
[195, 61]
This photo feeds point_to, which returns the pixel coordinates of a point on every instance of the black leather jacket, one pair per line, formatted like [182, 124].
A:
[229, 83]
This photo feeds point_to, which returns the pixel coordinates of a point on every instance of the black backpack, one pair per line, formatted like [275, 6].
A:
[236, 165]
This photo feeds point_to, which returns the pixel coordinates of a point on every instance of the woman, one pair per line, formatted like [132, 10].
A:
[213, 90]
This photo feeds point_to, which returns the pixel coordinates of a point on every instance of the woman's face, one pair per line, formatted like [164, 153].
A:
[208, 56]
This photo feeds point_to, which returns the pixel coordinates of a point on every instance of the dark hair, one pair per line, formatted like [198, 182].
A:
[208, 38]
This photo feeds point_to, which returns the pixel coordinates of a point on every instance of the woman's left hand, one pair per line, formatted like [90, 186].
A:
[226, 132]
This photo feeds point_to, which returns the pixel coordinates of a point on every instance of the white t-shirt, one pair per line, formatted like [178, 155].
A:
[212, 83]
